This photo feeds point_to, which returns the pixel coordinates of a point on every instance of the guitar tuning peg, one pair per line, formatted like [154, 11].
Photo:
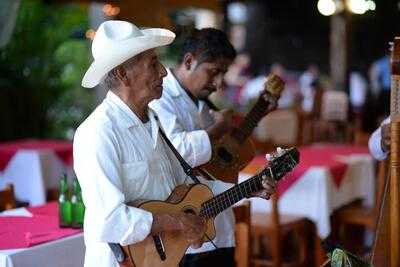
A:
[268, 157]
[279, 150]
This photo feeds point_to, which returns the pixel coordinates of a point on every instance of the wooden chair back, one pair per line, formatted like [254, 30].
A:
[7, 198]
[242, 234]
[269, 130]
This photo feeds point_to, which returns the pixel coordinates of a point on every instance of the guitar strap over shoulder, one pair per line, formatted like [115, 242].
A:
[185, 166]
[120, 255]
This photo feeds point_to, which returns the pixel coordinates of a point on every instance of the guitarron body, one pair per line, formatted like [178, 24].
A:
[229, 157]
[235, 150]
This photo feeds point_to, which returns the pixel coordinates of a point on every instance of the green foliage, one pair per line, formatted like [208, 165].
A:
[341, 258]
[41, 69]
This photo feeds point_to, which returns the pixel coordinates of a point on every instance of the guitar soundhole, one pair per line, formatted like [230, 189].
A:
[190, 211]
[224, 154]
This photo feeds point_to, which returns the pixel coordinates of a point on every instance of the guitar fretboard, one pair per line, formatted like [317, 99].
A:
[250, 121]
[219, 203]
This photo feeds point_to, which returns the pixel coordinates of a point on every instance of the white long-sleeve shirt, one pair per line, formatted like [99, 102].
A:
[374, 142]
[118, 160]
[184, 123]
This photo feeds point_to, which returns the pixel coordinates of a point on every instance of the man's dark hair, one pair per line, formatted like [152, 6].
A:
[207, 45]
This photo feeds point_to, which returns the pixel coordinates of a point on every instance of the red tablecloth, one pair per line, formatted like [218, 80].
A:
[63, 149]
[314, 156]
[23, 232]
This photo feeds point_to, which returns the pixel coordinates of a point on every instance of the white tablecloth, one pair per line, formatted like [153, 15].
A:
[32, 172]
[315, 195]
[65, 252]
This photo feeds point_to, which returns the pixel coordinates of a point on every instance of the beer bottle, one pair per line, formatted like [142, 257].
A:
[64, 205]
[78, 208]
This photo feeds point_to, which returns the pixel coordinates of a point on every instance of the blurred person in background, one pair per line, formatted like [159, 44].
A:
[307, 91]
[380, 83]
[236, 78]
[358, 91]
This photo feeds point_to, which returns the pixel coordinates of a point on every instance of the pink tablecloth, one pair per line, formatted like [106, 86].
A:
[315, 156]
[63, 149]
[23, 232]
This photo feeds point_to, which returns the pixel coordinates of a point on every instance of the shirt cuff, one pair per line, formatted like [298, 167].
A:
[201, 146]
[139, 230]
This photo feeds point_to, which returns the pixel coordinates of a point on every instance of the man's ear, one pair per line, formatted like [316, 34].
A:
[189, 61]
[120, 72]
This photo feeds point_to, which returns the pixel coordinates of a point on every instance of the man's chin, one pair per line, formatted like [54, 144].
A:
[205, 93]
[159, 91]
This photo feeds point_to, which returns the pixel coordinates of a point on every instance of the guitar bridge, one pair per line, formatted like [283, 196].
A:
[159, 247]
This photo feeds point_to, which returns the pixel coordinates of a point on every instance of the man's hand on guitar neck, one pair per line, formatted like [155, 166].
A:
[222, 124]
[192, 226]
[272, 101]
[269, 185]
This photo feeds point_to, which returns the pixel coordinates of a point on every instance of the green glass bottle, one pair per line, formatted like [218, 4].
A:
[78, 208]
[64, 204]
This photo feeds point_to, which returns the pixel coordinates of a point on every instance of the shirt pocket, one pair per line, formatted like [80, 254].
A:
[135, 178]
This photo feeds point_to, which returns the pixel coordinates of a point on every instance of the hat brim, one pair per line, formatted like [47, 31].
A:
[152, 38]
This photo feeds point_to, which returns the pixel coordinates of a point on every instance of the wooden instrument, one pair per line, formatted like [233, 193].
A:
[235, 150]
[168, 248]
[386, 251]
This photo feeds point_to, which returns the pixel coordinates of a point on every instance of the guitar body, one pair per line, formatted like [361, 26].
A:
[228, 158]
[235, 150]
[167, 248]
[183, 198]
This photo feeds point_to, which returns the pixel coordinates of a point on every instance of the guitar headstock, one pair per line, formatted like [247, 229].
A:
[274, 85]
[282, 161]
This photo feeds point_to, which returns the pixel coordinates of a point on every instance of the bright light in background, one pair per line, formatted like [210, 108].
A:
[357, 6]
[371, 5]
[237, 13]
[326, 7]
[330, 7]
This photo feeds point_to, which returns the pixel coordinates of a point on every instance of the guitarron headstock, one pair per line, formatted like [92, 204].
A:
[274, 85]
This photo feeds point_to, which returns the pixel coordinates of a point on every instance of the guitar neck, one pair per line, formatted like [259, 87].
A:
[219, 203]
[250, 121]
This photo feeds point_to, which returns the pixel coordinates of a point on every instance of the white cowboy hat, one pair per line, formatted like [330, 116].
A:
[117, 41]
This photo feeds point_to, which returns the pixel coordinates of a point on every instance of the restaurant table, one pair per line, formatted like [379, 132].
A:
[327, 178]
[31, 237]
[33, 166]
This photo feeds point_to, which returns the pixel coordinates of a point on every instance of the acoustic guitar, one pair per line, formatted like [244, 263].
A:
[168, 248]
[234, 150]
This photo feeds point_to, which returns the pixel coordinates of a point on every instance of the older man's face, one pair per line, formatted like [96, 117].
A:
[146, 76]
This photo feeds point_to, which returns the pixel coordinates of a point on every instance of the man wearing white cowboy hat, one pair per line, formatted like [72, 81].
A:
[119, 156]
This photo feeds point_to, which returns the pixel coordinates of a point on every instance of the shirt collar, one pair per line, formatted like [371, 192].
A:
[125, 115]
[176, 90]
[129, 119]
[174, 86]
